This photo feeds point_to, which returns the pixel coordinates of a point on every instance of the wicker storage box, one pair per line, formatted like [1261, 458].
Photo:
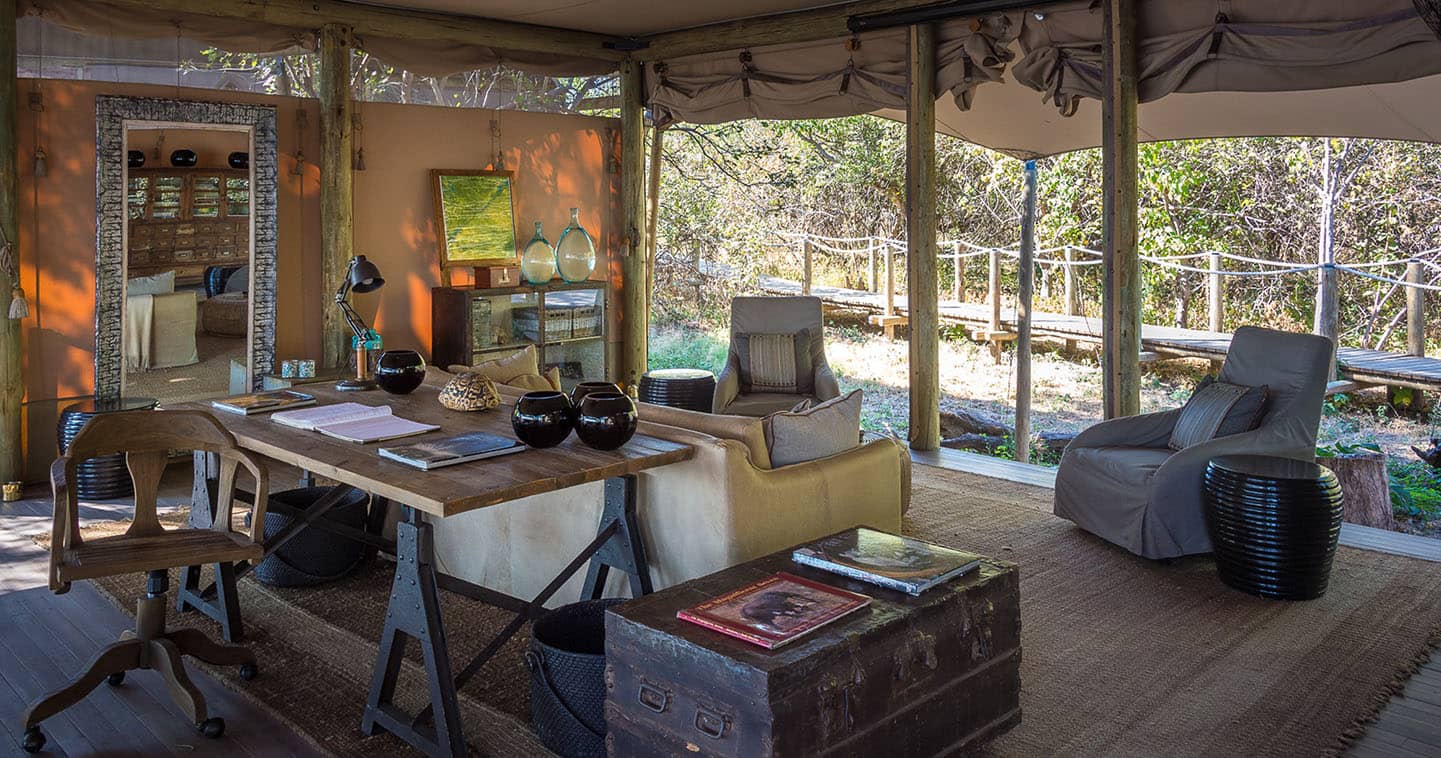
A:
[557, 323]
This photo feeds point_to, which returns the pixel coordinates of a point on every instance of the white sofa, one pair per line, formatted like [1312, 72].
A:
[722, 507]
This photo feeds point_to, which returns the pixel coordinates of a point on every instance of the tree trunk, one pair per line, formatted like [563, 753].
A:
[1366, 488]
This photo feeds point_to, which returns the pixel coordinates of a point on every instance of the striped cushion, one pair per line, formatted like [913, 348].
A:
[773, 362]
[1218, 409]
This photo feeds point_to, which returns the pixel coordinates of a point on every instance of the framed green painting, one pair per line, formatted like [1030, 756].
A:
[475, 214]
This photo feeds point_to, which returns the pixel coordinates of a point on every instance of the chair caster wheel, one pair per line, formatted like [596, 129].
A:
[249, 671]
[34, 740]
[115, 680]
[212, 727]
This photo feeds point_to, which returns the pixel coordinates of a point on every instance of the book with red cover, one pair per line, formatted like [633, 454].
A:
[775, 610]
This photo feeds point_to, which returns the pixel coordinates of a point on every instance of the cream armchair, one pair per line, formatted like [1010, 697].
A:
[773, 315]
[722, 507]
[1120, 481]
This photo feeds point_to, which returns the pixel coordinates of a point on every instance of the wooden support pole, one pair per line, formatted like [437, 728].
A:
[993, 296]
[635, 321]
[12, 383]
[922, 295]
[1216, 295]
[1023, 318]
[652, 195]
[807, 251]
[1068, 278]
[1121, 322]
[1415, 310]
[871, 264]
[337, 230]
[958, 274]
[890, 279]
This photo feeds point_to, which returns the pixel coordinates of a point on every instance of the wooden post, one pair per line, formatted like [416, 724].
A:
[635, 321]
[871, 264]
[337, 231]
[1415, 310]
[1068, 277]
[12, 383]
[1023, 318]
[958, 274]
[1215, 294]
[806, 252]
[994, 295]
[890, 279]
[652, 192]
[922, 294]
[1121, 323]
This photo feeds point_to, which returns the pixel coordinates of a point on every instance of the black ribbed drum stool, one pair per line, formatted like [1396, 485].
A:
[1274, 523]
[688, 388]
[106, 477]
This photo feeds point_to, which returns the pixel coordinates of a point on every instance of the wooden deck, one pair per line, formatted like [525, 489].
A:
[1366, 367]
[1410, 725]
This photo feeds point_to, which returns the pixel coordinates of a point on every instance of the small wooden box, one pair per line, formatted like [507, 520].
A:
[913, 676]
[497, 276]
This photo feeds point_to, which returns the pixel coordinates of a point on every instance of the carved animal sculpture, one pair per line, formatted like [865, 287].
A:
[1432, 456]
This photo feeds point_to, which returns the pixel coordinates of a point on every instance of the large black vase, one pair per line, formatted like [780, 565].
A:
[542, 419]
[135, 158]
[605, 420]
[184, 158]
[399, 371]
[238, 159]
[585, 388]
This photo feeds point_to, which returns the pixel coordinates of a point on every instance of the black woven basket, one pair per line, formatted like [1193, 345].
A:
[314, 556]
[567, 678]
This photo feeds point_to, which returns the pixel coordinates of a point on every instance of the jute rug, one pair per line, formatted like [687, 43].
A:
[1121, 656]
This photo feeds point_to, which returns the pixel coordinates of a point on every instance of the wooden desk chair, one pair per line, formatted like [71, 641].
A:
[147, 438]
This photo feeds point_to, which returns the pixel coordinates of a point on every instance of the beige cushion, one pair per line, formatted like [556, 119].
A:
[743, 429]
[819, 432]
[155, 284]
[519, 369]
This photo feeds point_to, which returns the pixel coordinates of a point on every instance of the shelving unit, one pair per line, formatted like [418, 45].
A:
[565, 322]
[186, 219]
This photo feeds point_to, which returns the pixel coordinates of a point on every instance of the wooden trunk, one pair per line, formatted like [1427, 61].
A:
[1365, 487]
[913, 676]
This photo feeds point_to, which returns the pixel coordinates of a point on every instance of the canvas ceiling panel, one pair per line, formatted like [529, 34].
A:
[618, 17]
[105, 20]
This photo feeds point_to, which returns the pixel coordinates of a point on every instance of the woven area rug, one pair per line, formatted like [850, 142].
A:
[1121, 656]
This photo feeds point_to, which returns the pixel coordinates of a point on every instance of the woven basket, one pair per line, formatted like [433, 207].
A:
[314, 556]
[567, 678]
[226, 314]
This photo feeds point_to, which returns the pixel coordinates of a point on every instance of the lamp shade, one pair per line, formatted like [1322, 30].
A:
[364, 276]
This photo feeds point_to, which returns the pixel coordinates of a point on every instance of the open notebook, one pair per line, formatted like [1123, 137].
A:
[352, 422]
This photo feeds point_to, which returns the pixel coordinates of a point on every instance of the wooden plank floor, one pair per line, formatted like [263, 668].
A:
[46, 638]
[1357, 364]
[1410, 725]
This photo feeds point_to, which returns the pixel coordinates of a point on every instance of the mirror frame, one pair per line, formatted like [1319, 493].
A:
[112, 113]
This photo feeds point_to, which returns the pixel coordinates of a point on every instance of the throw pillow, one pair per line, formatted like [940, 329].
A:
[824, 430]
[519, 369]
[787, 361]
[156, 284]
[1218, 409]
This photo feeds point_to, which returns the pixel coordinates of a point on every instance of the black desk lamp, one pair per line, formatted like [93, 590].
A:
[361, 276]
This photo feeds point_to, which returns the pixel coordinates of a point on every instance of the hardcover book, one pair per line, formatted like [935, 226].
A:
[774, 611]
[887, 560]
[263, 402]
[353, 422]
[449, 451]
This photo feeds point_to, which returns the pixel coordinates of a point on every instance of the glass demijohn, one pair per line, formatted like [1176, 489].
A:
[537, 260]
[574, 251]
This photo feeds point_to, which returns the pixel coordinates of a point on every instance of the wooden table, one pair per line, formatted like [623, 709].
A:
[414, 609]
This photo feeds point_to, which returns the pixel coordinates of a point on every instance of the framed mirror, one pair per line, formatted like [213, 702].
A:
[475, 215]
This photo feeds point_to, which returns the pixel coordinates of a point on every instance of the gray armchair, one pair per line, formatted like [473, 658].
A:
[774, 315]
[1120, 481]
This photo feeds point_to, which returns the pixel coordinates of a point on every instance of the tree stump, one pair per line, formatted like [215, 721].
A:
[1366, 487]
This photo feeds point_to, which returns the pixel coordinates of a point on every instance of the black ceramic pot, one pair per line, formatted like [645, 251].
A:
[184, 158]
[542, 419]
[605, 420]
[399, 371]
[136, 158]
[239, 159]
[585, 388]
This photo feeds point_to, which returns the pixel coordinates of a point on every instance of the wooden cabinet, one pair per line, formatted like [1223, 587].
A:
[566, 323]
[185, 219]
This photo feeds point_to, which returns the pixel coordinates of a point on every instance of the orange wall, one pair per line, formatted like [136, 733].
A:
[212, 146]
[560, 162]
